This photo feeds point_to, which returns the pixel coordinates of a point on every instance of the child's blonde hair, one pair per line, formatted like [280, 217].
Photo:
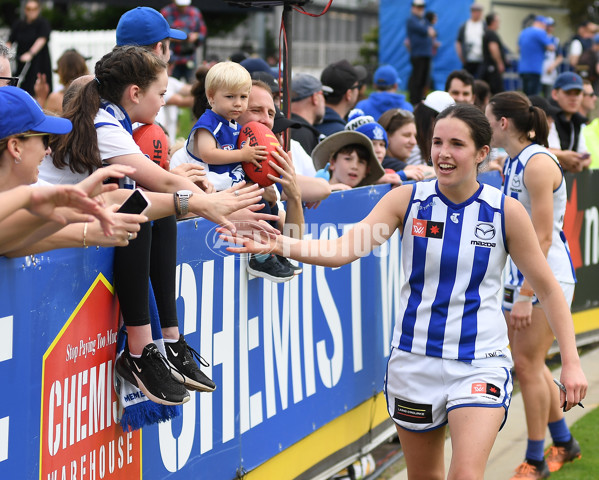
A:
[227, 76]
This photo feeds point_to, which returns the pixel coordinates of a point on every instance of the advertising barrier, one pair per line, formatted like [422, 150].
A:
[299, 366]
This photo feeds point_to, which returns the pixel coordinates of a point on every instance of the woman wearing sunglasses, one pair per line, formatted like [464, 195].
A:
[24, 138]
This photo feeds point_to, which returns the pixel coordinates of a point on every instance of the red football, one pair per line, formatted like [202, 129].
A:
[153, 142]
[258, 134]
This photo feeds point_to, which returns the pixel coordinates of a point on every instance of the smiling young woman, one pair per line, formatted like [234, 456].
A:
[450, 363]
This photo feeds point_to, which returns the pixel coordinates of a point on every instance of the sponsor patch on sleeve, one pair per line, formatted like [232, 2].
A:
[413, 412]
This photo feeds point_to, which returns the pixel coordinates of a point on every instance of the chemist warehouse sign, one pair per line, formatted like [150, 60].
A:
[79, 435]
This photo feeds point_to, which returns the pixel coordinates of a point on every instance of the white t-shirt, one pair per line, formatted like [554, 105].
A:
[473, 39]
[113, 141]
[302, 161]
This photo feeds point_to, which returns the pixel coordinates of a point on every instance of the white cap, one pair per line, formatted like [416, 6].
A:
[439, 100]
[183, 3]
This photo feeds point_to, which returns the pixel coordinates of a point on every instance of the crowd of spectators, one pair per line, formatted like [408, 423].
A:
[337, 141]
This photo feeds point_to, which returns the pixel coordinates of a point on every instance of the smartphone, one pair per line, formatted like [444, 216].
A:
[136, 203]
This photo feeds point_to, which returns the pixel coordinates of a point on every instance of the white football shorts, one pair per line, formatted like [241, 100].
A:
[421, 390]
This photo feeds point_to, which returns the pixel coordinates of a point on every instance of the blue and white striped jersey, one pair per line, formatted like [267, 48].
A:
[558, 256]
[452, 257]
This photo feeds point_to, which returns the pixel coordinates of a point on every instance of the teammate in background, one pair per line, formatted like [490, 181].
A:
[450, 353]
[534, 178]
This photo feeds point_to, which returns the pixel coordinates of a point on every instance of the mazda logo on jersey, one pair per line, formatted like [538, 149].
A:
[427, 228]
[485, 231]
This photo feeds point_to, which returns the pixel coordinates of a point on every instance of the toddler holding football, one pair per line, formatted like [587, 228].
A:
[213, 142]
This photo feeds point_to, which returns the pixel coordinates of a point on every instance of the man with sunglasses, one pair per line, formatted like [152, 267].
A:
[6, 77]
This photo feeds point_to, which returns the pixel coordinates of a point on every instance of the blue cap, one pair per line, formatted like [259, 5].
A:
[145, 26]
[20, 113]
[256, 64]
[549, 21]
[386, 76]
[374, 131]
[568, 81]
[541, 18]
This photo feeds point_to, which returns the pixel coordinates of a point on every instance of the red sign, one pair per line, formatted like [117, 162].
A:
[80, 436]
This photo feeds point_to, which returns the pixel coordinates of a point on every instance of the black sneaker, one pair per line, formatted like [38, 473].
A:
[286, 263]
[271, 269]
[186, 369]
[151, 373]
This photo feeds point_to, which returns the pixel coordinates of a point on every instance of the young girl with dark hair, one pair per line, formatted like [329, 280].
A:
[128, 87]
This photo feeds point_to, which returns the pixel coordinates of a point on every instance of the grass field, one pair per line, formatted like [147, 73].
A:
[585, 431]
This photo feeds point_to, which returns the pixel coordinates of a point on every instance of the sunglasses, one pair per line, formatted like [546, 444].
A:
[45, 137]
[400, 112]
[10, 81]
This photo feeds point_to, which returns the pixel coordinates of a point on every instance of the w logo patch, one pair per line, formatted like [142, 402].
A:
[427, 228]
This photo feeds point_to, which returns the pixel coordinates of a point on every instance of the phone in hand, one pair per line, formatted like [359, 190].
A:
[137, 203]
[585, 155]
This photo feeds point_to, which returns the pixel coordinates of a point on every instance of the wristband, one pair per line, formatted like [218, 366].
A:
[527, 292]
[524, 298]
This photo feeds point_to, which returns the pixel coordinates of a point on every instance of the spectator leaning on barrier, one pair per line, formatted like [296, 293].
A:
[187, 18]
[307, 109]
[348, 159]
[343, 79]
[469, 44]
[386, 82]
[568, 145]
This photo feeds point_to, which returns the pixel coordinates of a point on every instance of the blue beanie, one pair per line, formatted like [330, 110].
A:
[374, 131]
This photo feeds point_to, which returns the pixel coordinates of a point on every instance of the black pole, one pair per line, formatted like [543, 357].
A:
[286, 87]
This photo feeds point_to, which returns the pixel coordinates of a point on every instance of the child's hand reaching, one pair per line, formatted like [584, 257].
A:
[254, 155]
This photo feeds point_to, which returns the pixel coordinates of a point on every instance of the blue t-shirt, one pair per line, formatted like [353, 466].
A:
[226, 134]
[532, 43]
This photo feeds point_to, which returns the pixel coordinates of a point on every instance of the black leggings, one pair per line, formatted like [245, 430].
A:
[153, 254]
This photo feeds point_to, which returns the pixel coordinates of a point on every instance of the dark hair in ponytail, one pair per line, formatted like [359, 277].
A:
[114, 72]
[529, 120]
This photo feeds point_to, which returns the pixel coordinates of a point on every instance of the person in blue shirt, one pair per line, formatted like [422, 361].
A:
[532, 42]
[386, 81]
[420, 35]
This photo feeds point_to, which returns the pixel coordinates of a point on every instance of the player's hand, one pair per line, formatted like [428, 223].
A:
[521, 315]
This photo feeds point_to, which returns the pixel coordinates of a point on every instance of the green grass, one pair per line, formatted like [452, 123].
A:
[585, 431]
[185, 122]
